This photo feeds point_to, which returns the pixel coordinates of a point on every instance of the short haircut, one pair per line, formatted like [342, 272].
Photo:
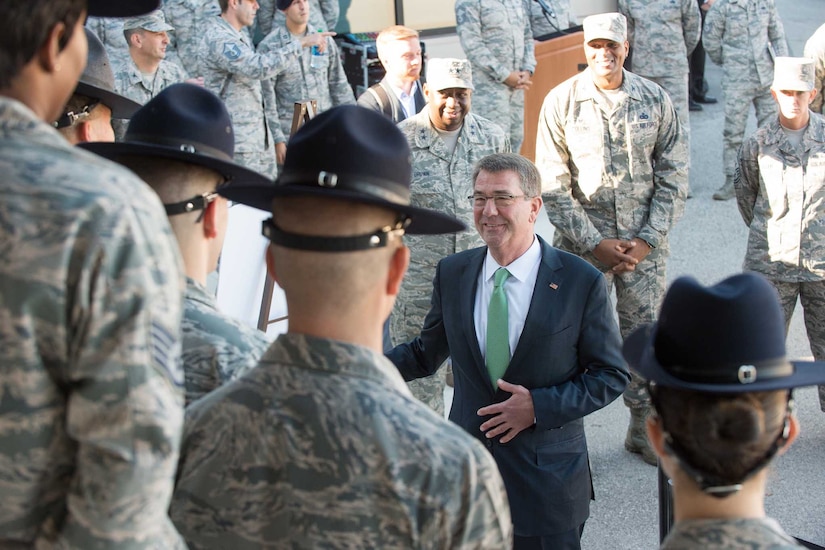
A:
[173, 180]
[129, 33]
[528, 174]
[391, 34]
[224, 4]
[25, 26]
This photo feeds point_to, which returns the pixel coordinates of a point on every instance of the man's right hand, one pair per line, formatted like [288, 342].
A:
[613, 253]
[316, 39]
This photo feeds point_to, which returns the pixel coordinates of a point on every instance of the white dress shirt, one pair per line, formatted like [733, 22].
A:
[519, 289]
[407, 100]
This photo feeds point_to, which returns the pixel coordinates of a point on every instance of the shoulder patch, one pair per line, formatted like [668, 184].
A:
[231, 51]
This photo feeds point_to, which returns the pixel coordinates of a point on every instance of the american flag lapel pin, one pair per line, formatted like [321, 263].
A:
[554, 286]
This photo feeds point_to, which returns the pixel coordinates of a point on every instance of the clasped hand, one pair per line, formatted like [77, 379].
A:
[511, 416]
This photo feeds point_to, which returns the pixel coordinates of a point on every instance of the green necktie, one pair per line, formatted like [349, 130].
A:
[498, 333]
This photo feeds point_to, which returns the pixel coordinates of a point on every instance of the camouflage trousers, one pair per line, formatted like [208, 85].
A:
[411, 307]
[639, 295]
[503, 105]
[262, 162]
[737, 107]
[676, 87]
[811, 296]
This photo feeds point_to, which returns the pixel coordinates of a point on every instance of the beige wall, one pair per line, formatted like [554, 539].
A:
[429, 14]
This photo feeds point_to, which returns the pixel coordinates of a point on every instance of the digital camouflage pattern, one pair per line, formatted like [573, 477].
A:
[110, 32]
[234, 71]
[189, 19]
[780, 191]
[440, 181]
[216, 348]
[131, 83]
[559, 20]
[496, 37]
[815, 49]
[737, 35]
[662, 34]
[92, 406]
[732, 534]
[323, 15]
[620, 173]
[299, 81]
[321, 446]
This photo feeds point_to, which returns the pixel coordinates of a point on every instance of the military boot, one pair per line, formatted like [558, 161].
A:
[636, 440]
[726, 191]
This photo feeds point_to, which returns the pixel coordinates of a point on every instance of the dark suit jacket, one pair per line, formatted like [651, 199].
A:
[569, 356]
[393, 109]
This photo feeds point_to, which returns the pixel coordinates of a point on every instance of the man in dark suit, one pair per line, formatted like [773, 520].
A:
[562, 357]
[399, 94]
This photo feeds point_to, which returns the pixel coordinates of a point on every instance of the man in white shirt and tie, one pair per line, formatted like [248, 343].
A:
[523, 390]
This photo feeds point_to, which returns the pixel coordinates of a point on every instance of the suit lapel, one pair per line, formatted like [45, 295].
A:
[469, 287]
[545, 296]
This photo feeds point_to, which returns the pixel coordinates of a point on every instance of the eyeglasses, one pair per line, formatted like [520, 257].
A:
[501, 201]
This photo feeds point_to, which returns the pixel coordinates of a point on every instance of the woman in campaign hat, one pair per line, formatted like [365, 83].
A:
[720, 385]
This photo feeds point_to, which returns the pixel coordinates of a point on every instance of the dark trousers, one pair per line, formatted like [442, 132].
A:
[569, 540]
[696, 61]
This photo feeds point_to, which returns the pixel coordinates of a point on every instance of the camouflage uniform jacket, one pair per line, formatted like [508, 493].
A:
[728, 533]
[737, 34]
[110, 32]
[496, 36]
[322, 446]
[298, 81]
[216, 348]
[189, 19]
[323, 15]
[129, 81]
[232, 69]
[780, 191]
[662, 34]
[621, 174]
[815, 49]
[559, 19]
[92, 406]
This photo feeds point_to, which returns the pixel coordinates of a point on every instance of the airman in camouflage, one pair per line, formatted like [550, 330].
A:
[163, 146]
[815, 49]
[323, 15]
[496, 38]
[446, 140]
[146, 71]
[321, 445]
[614, 164]
[662, 34]
[90, 307]
[300, 79]
[232, 69]
[743, 36]
[557, 20]
[189, 17]
[728, 533]
[780, 191]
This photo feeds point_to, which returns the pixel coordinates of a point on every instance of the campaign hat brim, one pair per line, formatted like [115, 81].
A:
[122, 107]
[121, 8]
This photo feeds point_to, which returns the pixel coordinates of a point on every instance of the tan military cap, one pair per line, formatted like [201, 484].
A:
[448, 72]
[152, 21]
[607, 26]
[793, 73]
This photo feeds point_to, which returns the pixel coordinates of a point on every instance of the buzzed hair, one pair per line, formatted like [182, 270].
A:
[391, 34]
[528, 174]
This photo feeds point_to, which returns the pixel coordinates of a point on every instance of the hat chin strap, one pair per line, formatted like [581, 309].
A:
[313, 243]
[717, 487]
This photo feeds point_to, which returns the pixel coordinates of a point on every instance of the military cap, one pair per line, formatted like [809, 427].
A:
[726, 338]
[351, 154]
[793, 73]
[448, 72]
[607, 26]
[120, 8]
[153, 21]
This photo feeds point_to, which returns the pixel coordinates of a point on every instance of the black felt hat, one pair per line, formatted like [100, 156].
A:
[98, 80]
[725, 338]
[121, 8]
[352, 154]
[188, 123]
